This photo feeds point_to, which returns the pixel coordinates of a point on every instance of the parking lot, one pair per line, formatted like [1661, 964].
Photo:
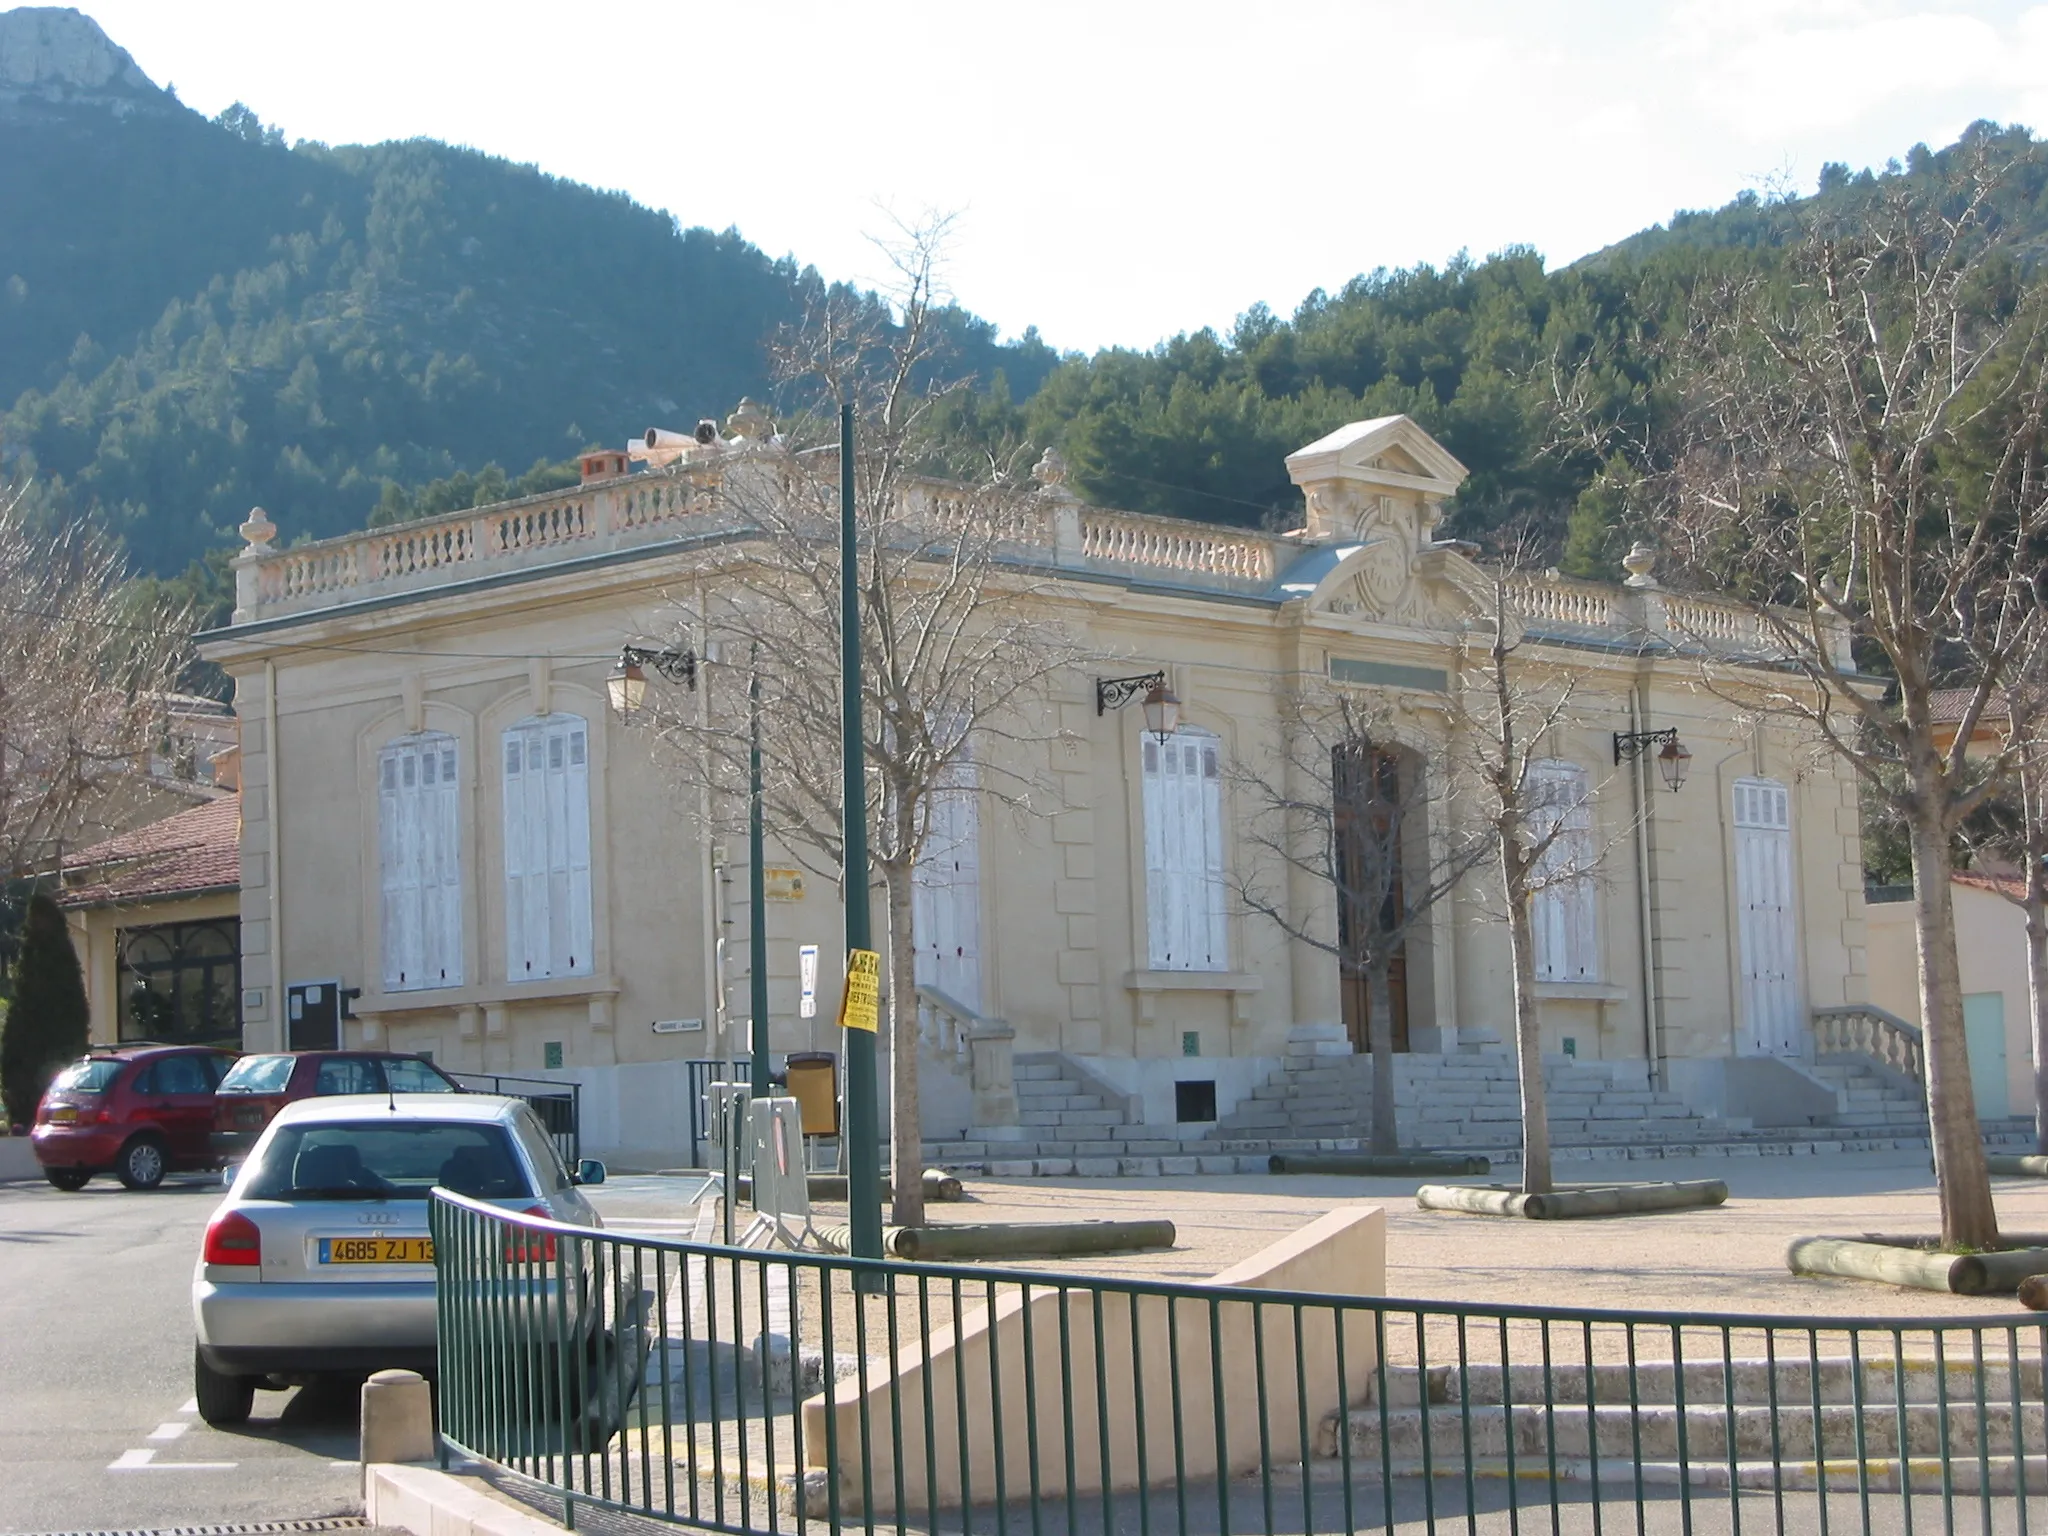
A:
[97, 1426]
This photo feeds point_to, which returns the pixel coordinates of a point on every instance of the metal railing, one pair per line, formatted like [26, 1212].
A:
[559, 1105]
[737, 1390]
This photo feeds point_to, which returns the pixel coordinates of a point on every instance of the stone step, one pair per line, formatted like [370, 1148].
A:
[1749, 1381]
[1034, 1071]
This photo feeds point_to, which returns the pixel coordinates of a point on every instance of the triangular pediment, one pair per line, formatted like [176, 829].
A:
[1387, 450]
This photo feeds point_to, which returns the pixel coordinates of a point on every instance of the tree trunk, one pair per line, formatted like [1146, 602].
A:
[2037, 998]
[1536, 1177]
[1968, 1218]
[1379, 1006]
[906, 1121]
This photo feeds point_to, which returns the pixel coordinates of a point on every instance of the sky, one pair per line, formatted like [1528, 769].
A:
[1121, 170]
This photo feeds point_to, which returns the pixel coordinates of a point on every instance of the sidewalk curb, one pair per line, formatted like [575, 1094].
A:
[429, 1502]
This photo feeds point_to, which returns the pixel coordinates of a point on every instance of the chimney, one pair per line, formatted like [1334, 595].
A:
[604, 464]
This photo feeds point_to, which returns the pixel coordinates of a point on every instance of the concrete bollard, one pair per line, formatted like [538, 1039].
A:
[398, 1419]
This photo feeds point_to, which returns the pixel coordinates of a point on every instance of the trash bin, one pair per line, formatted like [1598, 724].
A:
[813, 1081]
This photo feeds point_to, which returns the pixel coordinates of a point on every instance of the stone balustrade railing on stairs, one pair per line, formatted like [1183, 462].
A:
[1864, 1030]
[986, 1046]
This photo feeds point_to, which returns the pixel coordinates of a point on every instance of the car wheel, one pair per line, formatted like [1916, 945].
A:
[224, 1401]
[142, 1163]
[68, 1179]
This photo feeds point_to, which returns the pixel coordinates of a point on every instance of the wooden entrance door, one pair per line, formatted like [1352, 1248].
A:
[1368, 835]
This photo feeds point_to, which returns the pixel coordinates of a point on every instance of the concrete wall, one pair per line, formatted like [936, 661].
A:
[974, 1379]
[1991, 946]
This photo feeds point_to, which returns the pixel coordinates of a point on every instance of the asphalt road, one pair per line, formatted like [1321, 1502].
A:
[97, 1427]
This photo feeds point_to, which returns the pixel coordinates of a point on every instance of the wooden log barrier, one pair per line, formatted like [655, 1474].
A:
[2033, 1293]
[1371, 1164]
[1027, 1240]
[1959, 1274]
[2024, 1167]
[1566, 1204]
[938, 1185]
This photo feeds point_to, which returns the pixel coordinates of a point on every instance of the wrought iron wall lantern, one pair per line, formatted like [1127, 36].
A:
[627, 686]
[1673, 756]
[1162, 706]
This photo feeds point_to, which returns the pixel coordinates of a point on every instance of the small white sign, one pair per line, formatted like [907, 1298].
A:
[677, 1026]
[807, 975]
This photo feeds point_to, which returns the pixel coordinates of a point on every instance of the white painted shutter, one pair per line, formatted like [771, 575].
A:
[1564, 913]
[548, 929]
[1184, 897]
[1767, 915]
[419, 852]
[946, 905]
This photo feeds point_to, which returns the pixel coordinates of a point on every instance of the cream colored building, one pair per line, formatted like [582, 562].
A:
[441, 813]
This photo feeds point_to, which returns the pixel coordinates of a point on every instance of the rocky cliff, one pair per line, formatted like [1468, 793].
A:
[59, 56]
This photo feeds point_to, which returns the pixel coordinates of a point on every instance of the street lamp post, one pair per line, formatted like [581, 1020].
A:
[757, 889]
[863, 1129]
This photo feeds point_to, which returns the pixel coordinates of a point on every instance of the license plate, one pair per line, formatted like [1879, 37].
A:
[376, 1250]
[64, 1114]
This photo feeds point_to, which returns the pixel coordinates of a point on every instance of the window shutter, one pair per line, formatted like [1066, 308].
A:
[1564, 914]
[548, 929]
[1184, 897]
[419, 854]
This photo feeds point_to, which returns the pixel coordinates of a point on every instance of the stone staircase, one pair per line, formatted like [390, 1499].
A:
[1873, 1097]
[1469, 1100]
[1518, 1418]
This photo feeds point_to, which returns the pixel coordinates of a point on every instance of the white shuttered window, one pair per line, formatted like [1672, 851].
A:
[1564, 911]
[1184, 852]
[419, 850]
[547, 848]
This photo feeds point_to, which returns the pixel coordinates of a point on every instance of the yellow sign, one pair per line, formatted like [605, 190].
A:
[861, 1007]
[782, 884]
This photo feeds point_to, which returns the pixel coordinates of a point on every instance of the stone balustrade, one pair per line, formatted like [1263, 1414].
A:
[1863, 1030]
[649, 509]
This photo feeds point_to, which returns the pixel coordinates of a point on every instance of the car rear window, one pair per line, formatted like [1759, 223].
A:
[385, 1160]
[258, 1074]
[408, 1074]
[95, 1075]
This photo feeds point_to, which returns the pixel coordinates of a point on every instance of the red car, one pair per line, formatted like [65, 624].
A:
[137, 1112]
[259, 1086]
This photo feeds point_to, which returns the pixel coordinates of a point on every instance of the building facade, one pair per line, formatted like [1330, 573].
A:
[443, 816]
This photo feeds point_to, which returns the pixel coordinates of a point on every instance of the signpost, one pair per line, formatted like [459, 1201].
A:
[807, 979]
[863, 1124]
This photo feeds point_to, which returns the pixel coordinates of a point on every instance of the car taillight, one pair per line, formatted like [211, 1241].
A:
[232, 1238]
[531, 1247]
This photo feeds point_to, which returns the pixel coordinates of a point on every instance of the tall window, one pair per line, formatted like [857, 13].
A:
[181, 983]
[547, 848]
[1564, 912]
[420, 853]
[1184, 852]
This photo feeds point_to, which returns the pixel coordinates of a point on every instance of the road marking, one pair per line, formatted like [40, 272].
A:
[169, 1430]
[190, 1405]
[145, 1461]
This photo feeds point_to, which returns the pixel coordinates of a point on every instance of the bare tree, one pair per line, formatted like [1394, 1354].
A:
[961, 638]
[2011, 831]
[1857, 449]
[1537, 826]
[1351, 801]
[84, 664]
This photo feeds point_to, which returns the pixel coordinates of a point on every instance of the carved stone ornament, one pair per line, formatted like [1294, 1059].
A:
[1050, 470]
[1639, 562]
[257, 530]
[750, 420]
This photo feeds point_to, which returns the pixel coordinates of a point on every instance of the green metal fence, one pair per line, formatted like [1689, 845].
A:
[736, 1390]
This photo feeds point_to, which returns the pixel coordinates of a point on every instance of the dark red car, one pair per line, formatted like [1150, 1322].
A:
[137, 1112]
[259, 1086]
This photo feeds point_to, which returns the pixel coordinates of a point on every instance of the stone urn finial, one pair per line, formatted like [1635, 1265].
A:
[257, 531]
[1638, 562]
[751, 421]
[1051, 469]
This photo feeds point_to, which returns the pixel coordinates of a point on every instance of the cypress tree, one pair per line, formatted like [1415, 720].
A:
[47, 1025]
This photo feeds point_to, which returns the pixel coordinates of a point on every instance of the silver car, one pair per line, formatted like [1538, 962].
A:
[319, 1259]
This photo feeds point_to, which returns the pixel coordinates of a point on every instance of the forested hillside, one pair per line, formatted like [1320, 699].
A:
[196, 318]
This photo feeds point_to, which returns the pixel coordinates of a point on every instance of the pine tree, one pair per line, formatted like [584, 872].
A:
[47, 1023]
